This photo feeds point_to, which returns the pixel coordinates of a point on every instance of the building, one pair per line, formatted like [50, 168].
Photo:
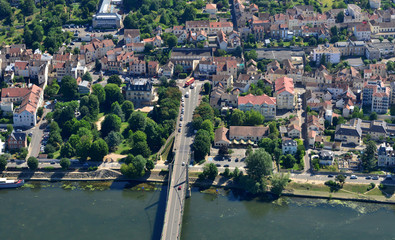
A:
[189, 58]
[284, 93]
[386, 155]
[132, 36]
[362, 31]
[289, 146]
[211, 8]
[326, 157]
[17, 140]
[376, 96]
[329, 51]
[153, 68]
[349, 133]
[220, 137]
[155, 41]
[106, 17]
[139, 91]
[221, 99]
[225, 80]
[26, 114]
[168, 69]
[379, 50]
[263, 104]
[245, 133]
[375, 4]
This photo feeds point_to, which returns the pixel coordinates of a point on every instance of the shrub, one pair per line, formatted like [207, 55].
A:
[371, 186]
[182, 75]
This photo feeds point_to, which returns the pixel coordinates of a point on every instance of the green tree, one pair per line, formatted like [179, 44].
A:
[113, 94]
[3, 163]
[172, 41]
[341, 179]
[83, 147]
[287, 161]
[65, 163]
[99, 91]
[237, 118]
[207, 88]
[178, 69]
[135, 167]
[201, 144]
[209, 127]
[5, 10]
[28, 7]
[149, 165]
[87, 77]
[340, 17]
[115, 79]
[99, 150]
[279, 182]
[210, 171]
[368, 157]
[259, 164]
[69, 88]
[67, 150]
[116, 109]
[127, 108]
[32, 163]
[373, 116]
[113, 140]
[253, 118]
[312, 41]
[189, 13]
[111, 123]
[137, 121]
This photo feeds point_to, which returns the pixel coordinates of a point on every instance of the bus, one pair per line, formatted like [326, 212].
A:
[189, 82]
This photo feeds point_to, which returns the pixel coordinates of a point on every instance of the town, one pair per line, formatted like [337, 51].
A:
[245, 89]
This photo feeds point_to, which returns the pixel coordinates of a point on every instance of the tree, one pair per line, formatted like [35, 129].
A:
[137, 121]
[340, 17]
[223, 150]
[210, 171]
[341, 179]
[207, 88]
[209, 127]
[113, 140]
[83, 148]
[116, 109]
[134, 167]
[178, 69]
[288, 161]
[69, 88]
[141, 148]
[149, 165]
[279, 181]
[67, 150]
[251, 55]
[113, 94]
[65, 163]
[5, 9]
[172, 41]
[98, 150]
[253, 118]
[201, 144]
[368, 157]
[99, 91]
[32, 163]
[127, 108]
[249, 150]
[87, 77]
[312, 41]
[111, 123]
[189, 13]
[28, 7]
[373, 116]
[259, 164]
[237, 118]
[115, 79]
[3, 163]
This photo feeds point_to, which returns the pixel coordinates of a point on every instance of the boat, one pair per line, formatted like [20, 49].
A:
[4, 183]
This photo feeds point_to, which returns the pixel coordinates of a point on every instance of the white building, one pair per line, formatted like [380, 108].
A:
[26, 114]
[331, 53]
[386, 155]
[289, 146]
[284, 92]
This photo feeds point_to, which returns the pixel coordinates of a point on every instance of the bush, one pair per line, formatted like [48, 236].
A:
[92, 168]
[371, 186]
[182, 75]
[32, 163]
[65, 163]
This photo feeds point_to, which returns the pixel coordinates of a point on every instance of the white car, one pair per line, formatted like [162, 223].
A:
[183, 163]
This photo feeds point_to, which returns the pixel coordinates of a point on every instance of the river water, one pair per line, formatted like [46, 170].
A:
[96, 211]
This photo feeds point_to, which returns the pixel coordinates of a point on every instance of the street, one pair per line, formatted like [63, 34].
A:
[182, 148]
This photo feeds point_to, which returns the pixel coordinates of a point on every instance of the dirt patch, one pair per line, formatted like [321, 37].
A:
[113, 157]
[145, 109]
[98, 123]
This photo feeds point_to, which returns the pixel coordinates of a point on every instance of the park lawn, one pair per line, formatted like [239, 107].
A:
[124, 125]
[56, 154]
[356, 188]
[375, 192]
[123, 148]
[308, 187]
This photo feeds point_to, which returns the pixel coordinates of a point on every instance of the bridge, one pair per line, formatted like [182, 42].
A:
[178, 186]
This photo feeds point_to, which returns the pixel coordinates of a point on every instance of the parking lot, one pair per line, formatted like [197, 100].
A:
[236, 159]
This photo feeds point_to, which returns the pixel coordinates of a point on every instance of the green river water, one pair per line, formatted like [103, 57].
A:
[81, 210]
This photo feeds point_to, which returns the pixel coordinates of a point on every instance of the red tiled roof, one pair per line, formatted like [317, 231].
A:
[257, 100]
[284, 84]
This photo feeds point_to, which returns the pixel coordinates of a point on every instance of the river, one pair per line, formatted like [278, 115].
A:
[83, 210]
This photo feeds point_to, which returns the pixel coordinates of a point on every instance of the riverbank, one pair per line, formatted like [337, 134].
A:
[98, 175]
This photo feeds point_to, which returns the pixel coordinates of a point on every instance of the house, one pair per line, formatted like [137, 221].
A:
[211, 8]
[225, 80]
[222, 40]
[135, 47]
[329, 51]
[386, 155]
[362, 31]
[139, 91]
[311, 137]
[220, 99]
[168, 69]
[284, 92]
[153, 68]
[17, 140]
[289, 146]
[349, 133]
[26, 114]
[245, 133]
[155, 41]
[84, 87]
[294, 130]
[137, 66]
[326, 157]
[263, 104]
[227, 67]
[132, 36]
[220, 137]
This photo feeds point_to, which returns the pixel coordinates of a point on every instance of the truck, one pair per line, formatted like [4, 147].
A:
[189, 82]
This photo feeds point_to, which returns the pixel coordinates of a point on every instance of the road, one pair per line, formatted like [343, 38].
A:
[176, 196]
[37, 135]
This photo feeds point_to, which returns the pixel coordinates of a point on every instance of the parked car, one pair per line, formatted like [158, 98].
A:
[353, 177]
[179, 130]
[236, 160]
[368, 177]
[375, 178]
[179, 187]
[226, 165]
[183, 163]
[218, 165]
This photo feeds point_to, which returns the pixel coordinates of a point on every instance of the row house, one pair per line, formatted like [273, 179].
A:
[351, 48]
[198, 36]
[228, 67]
[263, 104]
[153, 68]
[215, 27]
[189, 58]
[377, 69]
[137, 67]
[320, 76]
[135, 47]
[275, 71]
[225, 80]
[155, 41]
[96, 49]
[383, 29]
[245, 133]
[379, 50]
[230, 42]
[69, 68]
[350, 76]
[17, 140]
[168, 69]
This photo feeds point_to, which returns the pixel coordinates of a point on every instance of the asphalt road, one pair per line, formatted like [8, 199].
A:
[37, 135]
[176, 196]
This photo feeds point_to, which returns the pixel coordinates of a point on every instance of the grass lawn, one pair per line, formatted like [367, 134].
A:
[356, 188]
[308, 187]
[123, 148]
[375, 192]
[167, 149]
[56, 154]
[124, 125]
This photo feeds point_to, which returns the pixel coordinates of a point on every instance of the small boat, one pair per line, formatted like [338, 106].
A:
[4, 183]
